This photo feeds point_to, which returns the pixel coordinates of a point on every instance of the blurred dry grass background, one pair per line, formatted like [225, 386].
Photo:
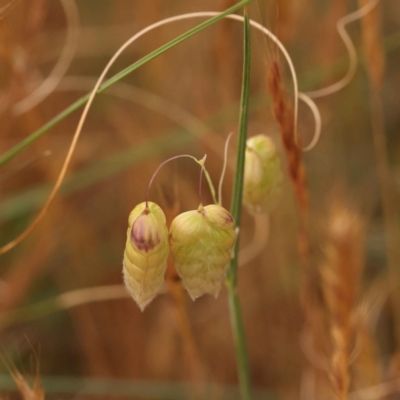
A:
[187, 101]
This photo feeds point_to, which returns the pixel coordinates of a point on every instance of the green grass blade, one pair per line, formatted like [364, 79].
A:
[7, 156]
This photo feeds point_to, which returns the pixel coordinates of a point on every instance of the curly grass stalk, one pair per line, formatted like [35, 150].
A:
[62, 65]
[236, 208]
[351, 50]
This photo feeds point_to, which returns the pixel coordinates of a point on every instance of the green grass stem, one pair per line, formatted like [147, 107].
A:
[236, 210]
[55, 386]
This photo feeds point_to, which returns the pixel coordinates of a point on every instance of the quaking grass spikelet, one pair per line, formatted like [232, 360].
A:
[201, 244]
[146, 253]
[262, 174]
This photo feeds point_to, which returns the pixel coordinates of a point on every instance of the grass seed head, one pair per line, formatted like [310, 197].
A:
[146, 253]
[262, 174]
[201, 244]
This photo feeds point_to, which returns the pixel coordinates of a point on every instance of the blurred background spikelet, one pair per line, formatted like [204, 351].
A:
[341, 274]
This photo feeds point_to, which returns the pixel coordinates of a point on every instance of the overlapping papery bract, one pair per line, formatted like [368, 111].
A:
[262, 174]
[146, 253]
[201, 243]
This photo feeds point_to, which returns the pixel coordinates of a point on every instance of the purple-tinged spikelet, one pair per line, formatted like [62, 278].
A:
[146, 253]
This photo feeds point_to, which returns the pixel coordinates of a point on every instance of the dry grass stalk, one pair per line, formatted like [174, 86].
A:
[341, 274]
[283, 112]
[310, 295]
[285, 20]
[375, 61]
[374, 52]
[197, 374]
[27, 392]
[365, 370]
[196, 371]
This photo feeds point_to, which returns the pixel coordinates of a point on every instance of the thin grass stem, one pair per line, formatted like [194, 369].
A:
[236, 208]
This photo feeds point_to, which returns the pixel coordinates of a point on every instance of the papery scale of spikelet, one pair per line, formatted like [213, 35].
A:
[204, 270]
[201, 246]
[144, 270]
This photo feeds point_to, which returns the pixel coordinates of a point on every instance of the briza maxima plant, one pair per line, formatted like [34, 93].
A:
[215, 239]
[201, 243]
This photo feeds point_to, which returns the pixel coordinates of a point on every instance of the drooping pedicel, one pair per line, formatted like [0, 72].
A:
[201, 243]
[262, 174]
[146, 253]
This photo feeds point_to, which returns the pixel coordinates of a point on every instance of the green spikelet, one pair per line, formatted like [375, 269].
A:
[201, 244]
[262, 174]
[146, 253]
